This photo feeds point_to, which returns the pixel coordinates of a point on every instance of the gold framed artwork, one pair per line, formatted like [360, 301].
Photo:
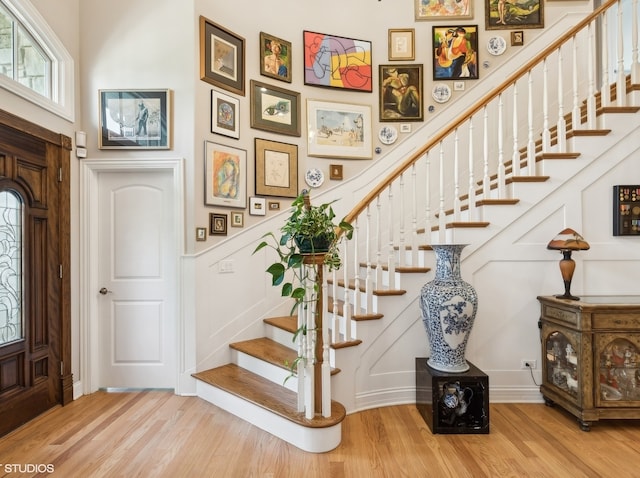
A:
[221, 57]
[237, 219]
[275, 60]
[430, 10]
[217, 224]
[402, 44]
[276, 168]
[275, 109]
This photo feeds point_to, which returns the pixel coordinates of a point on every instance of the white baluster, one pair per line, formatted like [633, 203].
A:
[368, 283]
[531, 145]
[473, 211]
[635, 61]
[427, 192]
[591, 96]
[402, 259]
[486, 180]
[325, 370]
[576, 115]
[441, 213]
[379, 272]
[515, 155]
[546, 134]
[562, 123]
[456, 177]
[621, 81]
[391, 258]
[605, 88]
[414, 215]
[501, 173]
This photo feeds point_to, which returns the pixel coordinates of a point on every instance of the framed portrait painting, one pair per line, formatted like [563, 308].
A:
[514, 15]
[221, 57]
[455, 52]
[275, 109]
[275, 59]
[225, 115]
[276, 168]
[401, 93]
[337, 62]
[443, 9]
[339, 130]
[225, 176]
[135, 119]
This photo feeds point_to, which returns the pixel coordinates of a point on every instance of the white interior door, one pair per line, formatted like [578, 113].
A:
[137, 285]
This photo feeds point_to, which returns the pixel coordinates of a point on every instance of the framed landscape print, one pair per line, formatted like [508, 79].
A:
[516, 14]
[401, 96]
[225, 176]
[443, 9]
[339, 130]
[225, 115]
[455, 52]
[135, 119]
[275, 109]
[276, 168]
[221, 57]
[275, 59]
[337, 62]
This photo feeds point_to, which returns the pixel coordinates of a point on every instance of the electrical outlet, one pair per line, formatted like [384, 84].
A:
[525, 364]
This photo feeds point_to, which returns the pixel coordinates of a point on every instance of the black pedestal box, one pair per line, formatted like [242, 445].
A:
[452, 402]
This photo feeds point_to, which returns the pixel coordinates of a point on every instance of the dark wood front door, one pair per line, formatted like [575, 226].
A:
[35, 359]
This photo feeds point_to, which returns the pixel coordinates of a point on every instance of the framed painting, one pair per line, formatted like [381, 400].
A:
[275, 57]
[337, 62]
[225, 114]
[401, 96]
[221, 57]
[217, 224]
[402, 44]
[225, 176]
[455, 52]
[135, 119]
[275, 109]
[276, 168]
[515, 14]
[443, 9]
[339, 130]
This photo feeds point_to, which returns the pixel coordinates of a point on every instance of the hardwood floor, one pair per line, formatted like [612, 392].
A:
[158, 434]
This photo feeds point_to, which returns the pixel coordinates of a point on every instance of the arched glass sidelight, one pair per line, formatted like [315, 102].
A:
[11, 242]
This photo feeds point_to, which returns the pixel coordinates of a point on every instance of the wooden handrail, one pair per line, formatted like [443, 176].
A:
[477, 106]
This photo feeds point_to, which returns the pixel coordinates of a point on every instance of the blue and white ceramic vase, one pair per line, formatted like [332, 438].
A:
[449, 306]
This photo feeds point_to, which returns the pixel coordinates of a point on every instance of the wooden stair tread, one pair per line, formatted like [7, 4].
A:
[542, 156]
[268, 350]
[402, 269]
[527, 179]
[356, 317]
[288, 322]
[588, 132]
[352, 286]
[266, 394]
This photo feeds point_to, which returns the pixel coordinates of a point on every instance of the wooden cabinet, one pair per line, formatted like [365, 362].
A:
[591, 356]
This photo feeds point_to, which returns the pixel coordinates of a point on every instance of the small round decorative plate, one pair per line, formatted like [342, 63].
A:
[388, 135]
[314, 177]
[496, 45]
[441, 93]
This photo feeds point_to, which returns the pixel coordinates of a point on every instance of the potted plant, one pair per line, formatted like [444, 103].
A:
[308, 230]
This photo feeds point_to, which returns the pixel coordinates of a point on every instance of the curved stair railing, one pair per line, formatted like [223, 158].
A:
[476, 162]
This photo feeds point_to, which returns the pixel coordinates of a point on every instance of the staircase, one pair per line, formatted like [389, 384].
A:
[258, 385]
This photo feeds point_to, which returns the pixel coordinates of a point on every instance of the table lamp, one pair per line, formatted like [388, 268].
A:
[566, 242]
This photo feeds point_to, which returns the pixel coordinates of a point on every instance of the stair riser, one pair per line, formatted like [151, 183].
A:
[281, 336]
[267, 370]
[314, 440]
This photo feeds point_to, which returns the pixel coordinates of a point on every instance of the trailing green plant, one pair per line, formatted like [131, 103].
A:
[305, 225]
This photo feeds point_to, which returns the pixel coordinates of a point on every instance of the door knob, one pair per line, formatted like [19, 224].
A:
[104, 291]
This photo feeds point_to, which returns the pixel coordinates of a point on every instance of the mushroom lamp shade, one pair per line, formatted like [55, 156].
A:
[566, 242]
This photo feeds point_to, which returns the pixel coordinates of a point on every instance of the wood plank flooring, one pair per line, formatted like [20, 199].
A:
[158, 434]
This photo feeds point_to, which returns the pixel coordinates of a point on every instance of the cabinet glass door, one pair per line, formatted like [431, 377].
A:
[619, 372]
[562, 363]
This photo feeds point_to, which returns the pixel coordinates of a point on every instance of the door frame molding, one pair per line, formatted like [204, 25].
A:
[88, 328]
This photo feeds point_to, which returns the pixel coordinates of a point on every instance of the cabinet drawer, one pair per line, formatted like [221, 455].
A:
[564, 316]
[613, 320]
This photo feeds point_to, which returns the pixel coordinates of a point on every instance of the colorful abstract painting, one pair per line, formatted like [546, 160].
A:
[337, 62]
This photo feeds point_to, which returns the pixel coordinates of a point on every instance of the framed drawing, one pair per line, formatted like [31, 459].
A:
[401, 93]
[455, 52]
[217, 224]
[517, 38]
[275, 109]
[503, 15]
[257, 206]
[275, 57]
[338, 130]
[225, 114]
[276, 168]
[337, 62]
[443, 9]
[402, 44]
[225, 176]
[237, 219]
[135, 119]
[221, 57]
